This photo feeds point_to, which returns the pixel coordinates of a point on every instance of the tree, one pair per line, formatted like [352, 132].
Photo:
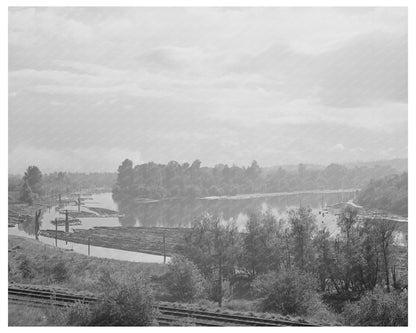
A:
[254, 170]
[33, 177]
[262, 244]
[302, 228]
[26, 194]
[195, 169]
[324, 259]
[32, 185]
[287, 292]
[383, 231]
[370, 255]
[125, 180]
[214, 247]
[183, 281]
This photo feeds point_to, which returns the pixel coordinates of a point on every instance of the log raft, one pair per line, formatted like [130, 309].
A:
[136, 239]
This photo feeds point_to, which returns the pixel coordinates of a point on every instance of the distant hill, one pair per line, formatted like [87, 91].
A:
[400, 164]
[292, 167]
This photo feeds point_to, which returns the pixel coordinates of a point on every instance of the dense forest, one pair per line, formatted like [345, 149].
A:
[158, 181]
[387, 194]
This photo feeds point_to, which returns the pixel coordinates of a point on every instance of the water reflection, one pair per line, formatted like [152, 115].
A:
[180, 213]
[28, 226]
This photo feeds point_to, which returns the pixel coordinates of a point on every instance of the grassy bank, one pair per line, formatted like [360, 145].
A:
[33, 262]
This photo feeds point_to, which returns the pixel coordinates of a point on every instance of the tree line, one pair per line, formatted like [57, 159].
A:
[291, 264]
[34, 184]
[156, 181]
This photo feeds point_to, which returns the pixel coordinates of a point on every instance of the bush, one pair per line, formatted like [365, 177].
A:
[213, 290]
[77, 314]
[123, 303]
[378, 308]
[183, 281]
[287, 292]
[60, 272]
[25, 268]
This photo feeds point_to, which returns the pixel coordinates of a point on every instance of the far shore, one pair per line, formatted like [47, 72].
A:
[251, 195]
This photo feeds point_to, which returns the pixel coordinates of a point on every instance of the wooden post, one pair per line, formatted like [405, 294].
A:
[66, 221]
[220, 281]
[37, 215]
[89, 242]
[164, 247]
[56, 232]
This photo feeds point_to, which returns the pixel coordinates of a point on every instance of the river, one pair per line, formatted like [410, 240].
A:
[180, 213]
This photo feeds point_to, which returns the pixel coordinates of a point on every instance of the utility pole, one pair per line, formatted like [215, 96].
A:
[219, 251]
[164, 247]
[220, 280]
[56, 232]
[66, 221]
[89, 242]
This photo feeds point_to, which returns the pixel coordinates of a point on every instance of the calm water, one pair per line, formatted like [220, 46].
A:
[179, 213]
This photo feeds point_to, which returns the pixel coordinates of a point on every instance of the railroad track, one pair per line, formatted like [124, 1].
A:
[167, 315]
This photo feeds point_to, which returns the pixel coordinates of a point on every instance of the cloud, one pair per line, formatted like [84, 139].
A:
[92, 159]
[271, 84]
[368, 69]
[339, 147]
[365, 70]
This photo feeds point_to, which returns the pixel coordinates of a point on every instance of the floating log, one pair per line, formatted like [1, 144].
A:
[61, 222]
[136, 239]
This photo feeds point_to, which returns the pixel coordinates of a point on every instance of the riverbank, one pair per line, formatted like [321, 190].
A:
[247, 196]
[277, 194]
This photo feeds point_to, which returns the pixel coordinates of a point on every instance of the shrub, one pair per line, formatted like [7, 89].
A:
[378, 308]
[76, 314]
[123, 303]
[60, 272]
[287, 292]
[183, 281]
[25, 268]
[213, 290]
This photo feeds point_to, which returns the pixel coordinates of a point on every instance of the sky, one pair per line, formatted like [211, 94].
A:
[89, 87]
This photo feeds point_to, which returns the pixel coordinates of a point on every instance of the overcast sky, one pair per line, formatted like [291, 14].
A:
[90, 87]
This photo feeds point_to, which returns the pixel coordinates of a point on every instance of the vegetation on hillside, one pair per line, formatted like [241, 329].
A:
[389, 194]
[272, 255]
[378, 308]
[33, 262]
